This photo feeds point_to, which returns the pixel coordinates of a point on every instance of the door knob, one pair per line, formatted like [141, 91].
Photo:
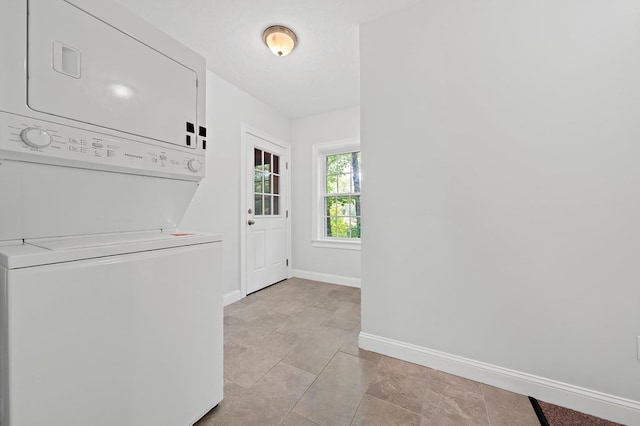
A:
[251, 222]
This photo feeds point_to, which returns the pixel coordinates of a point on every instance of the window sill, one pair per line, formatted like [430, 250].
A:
[337, 244]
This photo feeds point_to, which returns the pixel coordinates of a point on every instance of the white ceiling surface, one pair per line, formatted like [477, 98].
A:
[320, 75]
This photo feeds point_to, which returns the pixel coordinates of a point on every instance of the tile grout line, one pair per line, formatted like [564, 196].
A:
[353, 419]
[312, 383]
[281, 359]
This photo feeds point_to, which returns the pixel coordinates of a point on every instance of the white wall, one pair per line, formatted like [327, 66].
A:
[327, 264]
[501, 146]
[216, 205]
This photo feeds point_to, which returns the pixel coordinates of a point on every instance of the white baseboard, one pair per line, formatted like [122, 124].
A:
[327, 278]
[232, 296]
[599, 404]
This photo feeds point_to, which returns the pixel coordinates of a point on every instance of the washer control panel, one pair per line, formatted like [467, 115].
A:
[25, 139]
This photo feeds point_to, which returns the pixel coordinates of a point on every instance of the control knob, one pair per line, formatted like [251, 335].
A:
[194, 165]
[35, 138]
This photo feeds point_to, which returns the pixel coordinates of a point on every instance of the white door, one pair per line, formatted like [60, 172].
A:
[266, 215]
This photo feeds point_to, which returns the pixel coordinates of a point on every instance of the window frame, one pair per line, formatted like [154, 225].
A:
[319, 153]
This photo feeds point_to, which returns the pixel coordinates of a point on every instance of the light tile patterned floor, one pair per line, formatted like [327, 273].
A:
[292, 358]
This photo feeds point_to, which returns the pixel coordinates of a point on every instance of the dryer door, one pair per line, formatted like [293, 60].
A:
[82, 68]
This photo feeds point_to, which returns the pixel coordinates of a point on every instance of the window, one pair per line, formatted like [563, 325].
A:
[342, 195]
[266, 183]
[337, 208]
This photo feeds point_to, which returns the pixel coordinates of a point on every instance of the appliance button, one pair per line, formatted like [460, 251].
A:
[35, 138]
[202, 131]
[194, 165]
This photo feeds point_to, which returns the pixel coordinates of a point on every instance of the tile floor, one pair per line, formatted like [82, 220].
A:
[292, 358]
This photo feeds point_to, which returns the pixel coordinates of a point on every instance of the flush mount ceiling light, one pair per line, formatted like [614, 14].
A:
[281, 40]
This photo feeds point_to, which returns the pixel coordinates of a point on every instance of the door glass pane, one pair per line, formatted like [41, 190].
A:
[276, 164]
[258, 205]
[267, 162]
[267, 205]
[276, 205]
[257, 182]
[267, 183]
[257, 158]
[276, 184]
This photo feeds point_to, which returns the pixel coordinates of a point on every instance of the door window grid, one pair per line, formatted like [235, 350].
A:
[266, 180]
[342, 178]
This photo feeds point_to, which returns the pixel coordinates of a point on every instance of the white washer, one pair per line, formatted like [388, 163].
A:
[111, 330]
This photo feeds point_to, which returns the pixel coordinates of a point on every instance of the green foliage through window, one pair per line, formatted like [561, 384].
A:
[342, 195]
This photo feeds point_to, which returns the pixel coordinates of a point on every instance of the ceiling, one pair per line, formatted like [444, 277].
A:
[320, 75]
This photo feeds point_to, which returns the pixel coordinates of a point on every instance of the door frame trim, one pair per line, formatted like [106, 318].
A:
[244, 130]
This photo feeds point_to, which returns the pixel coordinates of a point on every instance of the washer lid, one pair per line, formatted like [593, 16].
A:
[47, 251]
[17, 249]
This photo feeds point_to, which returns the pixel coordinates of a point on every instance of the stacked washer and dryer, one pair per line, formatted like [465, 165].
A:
[108, 314]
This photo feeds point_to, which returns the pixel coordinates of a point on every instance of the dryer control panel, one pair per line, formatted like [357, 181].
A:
[26, 139]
